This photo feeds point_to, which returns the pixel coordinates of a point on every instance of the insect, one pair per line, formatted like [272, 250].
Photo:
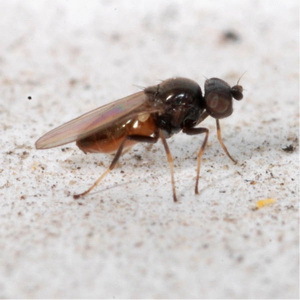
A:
[157, 112]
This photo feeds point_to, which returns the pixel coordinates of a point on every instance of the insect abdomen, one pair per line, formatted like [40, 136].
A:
[109, 140]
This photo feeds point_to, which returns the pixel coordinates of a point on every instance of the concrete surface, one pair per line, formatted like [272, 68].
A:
[128, 239]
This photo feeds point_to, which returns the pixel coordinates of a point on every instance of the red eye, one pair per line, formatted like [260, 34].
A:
[218, 106]
[217, 103]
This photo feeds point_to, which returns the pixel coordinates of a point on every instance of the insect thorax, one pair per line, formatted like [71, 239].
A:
[181, 102]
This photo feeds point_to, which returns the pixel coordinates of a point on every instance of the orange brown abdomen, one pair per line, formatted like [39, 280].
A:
[109, 140]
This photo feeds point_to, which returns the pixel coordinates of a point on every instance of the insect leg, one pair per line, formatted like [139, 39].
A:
[193, 131]
[171, 164]
[138, 138]
[221, 141]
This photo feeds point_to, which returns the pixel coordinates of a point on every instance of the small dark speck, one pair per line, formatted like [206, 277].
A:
[240, 258]
[138, 244]
[73, 81]
[290, 207]
[138, 157]
[29, 98]
[290, 148]
[230, 36]
[115, 37]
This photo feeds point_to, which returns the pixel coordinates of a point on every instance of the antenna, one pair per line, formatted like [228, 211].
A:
[241, 78]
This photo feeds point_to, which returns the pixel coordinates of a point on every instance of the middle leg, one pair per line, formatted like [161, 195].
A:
[194, 131]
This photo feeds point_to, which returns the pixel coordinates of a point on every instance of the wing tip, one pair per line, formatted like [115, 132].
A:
[40, 145]
[46, 143]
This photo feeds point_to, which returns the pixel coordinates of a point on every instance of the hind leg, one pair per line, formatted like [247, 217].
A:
[137, 138]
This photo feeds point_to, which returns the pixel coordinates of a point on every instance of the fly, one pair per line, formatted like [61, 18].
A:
[156, 113]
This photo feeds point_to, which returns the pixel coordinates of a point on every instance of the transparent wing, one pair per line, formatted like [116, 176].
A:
[96, 120]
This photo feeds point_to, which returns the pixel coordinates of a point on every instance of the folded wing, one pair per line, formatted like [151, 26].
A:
[96, 120]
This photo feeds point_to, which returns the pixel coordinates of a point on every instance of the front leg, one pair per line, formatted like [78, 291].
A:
[194, 131]
[221, 141]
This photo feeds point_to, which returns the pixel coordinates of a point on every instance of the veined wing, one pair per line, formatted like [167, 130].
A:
[96, 120]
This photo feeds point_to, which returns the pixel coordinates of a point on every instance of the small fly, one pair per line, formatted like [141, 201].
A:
[157, 112]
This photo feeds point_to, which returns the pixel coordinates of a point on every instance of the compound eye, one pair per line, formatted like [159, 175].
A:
[218, 106]
[217, 103]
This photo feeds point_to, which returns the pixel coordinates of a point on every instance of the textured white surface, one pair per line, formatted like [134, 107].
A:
[128, 239]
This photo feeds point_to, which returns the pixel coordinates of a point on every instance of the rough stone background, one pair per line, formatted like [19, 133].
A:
[128, 239]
